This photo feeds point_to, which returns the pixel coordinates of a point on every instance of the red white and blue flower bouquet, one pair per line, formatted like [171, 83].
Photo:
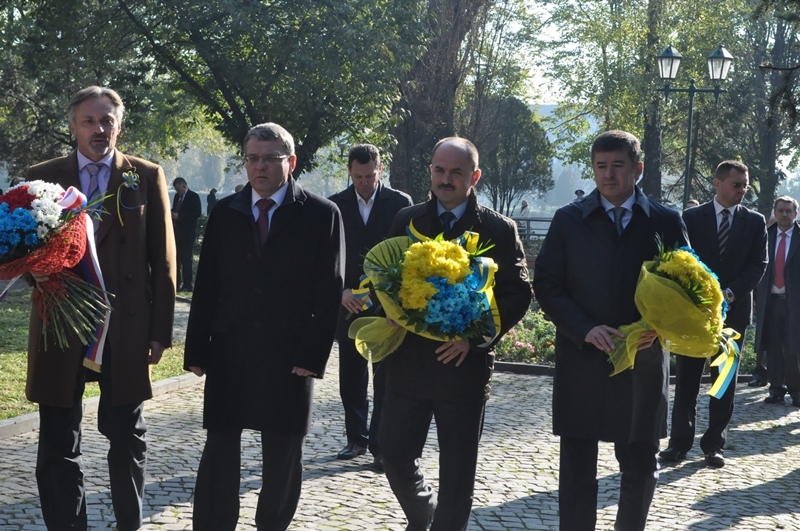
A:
[439, 289]
[46, 230]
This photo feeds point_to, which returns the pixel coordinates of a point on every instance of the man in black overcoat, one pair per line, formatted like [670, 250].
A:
[585, 278]
[778, 305]
[261, 328]
[449, 381]
[368, 209]
[731, 240]
[186, 210]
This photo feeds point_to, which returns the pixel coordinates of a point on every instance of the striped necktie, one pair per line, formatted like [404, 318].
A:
[724, 230]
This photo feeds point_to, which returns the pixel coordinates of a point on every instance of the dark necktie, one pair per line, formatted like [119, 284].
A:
[94, 192]
[619, 212]
[447, 219]
[780, 262]
[263, 218]
[724, 230]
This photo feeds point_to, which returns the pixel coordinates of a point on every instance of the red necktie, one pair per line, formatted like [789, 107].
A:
[780, 261]
[263, 218]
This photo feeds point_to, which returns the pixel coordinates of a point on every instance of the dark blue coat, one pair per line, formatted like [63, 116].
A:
[585, 276]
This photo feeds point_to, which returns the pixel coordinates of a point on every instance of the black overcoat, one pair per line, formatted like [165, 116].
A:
[255, 315]
[586, 275]
[413, 369]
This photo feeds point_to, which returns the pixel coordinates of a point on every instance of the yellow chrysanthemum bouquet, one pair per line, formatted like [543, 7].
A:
[680, 298]
[435, 288]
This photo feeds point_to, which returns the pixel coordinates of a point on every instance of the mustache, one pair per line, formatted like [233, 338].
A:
[99, 137]
[446, 187]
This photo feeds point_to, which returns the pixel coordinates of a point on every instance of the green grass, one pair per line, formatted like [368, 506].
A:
[14, 312]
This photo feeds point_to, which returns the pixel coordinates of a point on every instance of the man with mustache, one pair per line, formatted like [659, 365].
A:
[449, 381]
[731, 240]
[136, 253]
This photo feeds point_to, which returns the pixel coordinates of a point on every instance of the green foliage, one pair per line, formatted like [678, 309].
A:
[51, 50]
[532, 340]
[317, 68]
[517, 158]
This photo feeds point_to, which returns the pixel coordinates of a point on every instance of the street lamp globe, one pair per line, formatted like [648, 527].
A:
[719, 62]
[668, 63]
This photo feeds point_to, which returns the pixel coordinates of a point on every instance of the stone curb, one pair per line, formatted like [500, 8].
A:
[30, 422]
[548, 370]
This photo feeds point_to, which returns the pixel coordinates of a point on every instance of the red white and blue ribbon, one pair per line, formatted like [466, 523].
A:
[90, 271]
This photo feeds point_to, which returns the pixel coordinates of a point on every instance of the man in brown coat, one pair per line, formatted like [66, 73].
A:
[136, 253]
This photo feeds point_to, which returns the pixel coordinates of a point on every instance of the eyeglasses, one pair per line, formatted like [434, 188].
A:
[266, 159]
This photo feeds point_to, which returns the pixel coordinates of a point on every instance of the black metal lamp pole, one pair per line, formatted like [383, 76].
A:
[669, 61]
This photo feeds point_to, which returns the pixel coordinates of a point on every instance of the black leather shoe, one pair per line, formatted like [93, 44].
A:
[774, 399]
[351, 451]
[671, 455]
[755, 382]
[377, 463]
[715, 459]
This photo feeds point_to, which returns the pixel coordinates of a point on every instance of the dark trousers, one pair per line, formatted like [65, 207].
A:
[689, 372]
[761, 372]
[402, 433]
[216, 494]
[577, 484]
[783, 364]
[353, 387]
[184, 247]
[59, 470]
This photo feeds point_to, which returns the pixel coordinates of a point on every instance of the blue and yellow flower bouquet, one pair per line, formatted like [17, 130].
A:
[439, 289]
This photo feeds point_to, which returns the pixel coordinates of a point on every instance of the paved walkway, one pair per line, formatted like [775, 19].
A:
[759, 489]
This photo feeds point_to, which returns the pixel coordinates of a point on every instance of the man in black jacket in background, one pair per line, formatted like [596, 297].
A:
[186, 210]
[368, 209]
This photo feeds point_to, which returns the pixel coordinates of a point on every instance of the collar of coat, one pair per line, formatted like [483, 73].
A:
[352, 194]
[473, 208]
[294, 194]
[591, 202]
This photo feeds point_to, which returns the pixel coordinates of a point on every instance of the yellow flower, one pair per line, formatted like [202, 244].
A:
[427, 259]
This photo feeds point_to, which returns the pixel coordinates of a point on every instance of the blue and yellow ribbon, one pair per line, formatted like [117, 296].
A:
[726, 363]
[361, 293]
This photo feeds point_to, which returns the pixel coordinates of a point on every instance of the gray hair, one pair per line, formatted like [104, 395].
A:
[95, 92]
[270, 131]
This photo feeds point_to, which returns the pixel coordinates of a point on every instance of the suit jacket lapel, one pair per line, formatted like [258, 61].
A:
[110, 209]
[372, 219]
[286, 212]
[70, 173]
[795, 243]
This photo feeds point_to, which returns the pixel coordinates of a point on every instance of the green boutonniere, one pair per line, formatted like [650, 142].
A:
[130, 179]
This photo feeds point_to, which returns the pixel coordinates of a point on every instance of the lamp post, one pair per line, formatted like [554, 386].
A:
[719, 62]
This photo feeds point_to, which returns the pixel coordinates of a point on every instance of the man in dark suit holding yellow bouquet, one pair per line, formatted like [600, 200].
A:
[585, 279]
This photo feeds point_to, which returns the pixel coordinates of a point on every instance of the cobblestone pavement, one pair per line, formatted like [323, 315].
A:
[517, 475]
